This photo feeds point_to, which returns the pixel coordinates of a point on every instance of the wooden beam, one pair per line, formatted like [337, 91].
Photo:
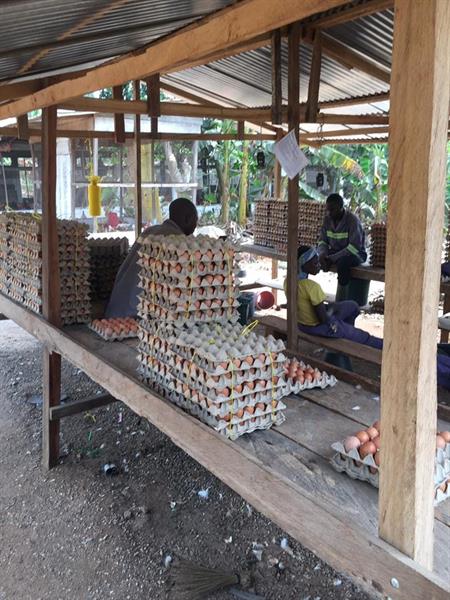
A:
[119, 118]
[346, 132]
[350, 58]
[338, 119]
[417, 168]
[22, 127]
[316, 524]
[349, 13]
[312, 105]
[78, 406]
[17, 90]
[138, 166]
[293, 193]
[347, 141]
[238, 23]
[367, 99]
[92, 16]
[277, 91]
[51, 300]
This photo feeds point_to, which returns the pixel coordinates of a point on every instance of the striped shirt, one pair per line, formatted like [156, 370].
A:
[346, 238]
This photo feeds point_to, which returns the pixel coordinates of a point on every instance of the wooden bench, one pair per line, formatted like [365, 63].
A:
[274, 324]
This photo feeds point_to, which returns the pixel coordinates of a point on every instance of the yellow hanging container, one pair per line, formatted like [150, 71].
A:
[94, 196]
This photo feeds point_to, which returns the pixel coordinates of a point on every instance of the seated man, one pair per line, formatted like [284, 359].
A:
[315, 316]
[124, 298]
[342, 239]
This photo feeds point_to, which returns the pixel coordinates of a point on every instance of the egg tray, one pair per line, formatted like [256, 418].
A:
[125, 334]
[344, 461]
[160, 275]
[186, 257]
[194, 294]
[161, 366]
[180, 319]
[176, 244]
[202, 287]
[194, 304]
[230, 430]
[322, 382]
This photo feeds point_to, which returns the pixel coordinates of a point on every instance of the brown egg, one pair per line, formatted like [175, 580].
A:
[239, 413]
[377, 442]
[300, 379]
[178, 268]
[367, 448]
[250, 385]
[308, 377]
[376, 425]
[262, 357]
[446, 436]
[260, 405]
[223, 392]
[275, 380]
[249, 360]
[373, 433]
[440, 442]
[238, 388]
[177, 292]
[362, 436]
[237, 362]
[250, 409]
[197, 255]
[201, 267]
[377, 458]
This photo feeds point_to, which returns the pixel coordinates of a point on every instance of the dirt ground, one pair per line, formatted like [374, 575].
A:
[76, 533]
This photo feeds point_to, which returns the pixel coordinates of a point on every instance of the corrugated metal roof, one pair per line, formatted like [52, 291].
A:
[244, 79]
[132, 24]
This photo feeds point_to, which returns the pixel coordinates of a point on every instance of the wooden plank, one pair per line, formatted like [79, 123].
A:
[349, 13]
[421, 61]
[235, 24]
[51, 300]
[137, 166]
[351, 59]
[275, 323]
[277, 91]
[344, 119]
[119, 118]
[293, 191]
[78, 406]
[346, 132]
[347, 547]
[312, 105]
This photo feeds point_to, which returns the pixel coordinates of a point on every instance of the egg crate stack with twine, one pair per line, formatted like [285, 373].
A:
[271, 223]
[378, 236]
[21, 264]
[107, 256]
[228, 377]
[184, 280]
[359, 457]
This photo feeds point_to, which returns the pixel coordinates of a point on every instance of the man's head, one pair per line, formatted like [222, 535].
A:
[335, 206]
[184, 214]
[308, 260]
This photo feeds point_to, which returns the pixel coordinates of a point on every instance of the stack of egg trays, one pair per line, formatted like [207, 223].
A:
[194, 381]
[74, 267]
[106, 256]
[187, 285]
[378, 236]
[365, 468]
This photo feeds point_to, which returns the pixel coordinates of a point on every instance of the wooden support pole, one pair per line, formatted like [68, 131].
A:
[241, 130]
[418, 137]
[312, 105]
[277, 91]
[22, 127]
[51, 300]
[277, 173]
[119, 118]
[138, 166]
[292, 241]
[154, 102]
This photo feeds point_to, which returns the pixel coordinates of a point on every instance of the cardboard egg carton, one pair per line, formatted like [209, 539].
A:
[365, 469]
[106, 258]
[378, 237]
[115, 329]
[187, 249]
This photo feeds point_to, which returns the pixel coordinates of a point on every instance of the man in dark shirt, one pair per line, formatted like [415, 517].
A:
[182, 220]
[342, 240]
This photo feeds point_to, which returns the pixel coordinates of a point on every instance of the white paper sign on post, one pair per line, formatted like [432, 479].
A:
[289, 155]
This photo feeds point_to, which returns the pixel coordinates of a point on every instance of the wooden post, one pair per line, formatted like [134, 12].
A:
[312, 105]
[51, 300]
[22, 127]
[277, 92]
[138, 166]
[119, 118]
[418, 137]
[154, 102]
[292, 241]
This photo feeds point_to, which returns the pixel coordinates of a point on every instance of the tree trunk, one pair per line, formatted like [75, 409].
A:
[243, 186]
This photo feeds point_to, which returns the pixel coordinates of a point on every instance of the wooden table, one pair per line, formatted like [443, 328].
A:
[284, 472]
